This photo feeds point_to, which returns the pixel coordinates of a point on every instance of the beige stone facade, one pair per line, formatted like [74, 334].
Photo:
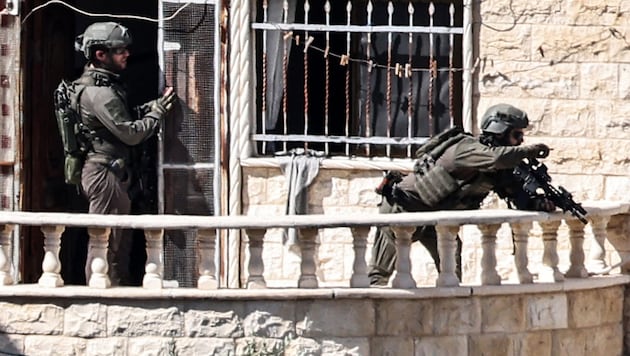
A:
[567, 64]
[584, 319]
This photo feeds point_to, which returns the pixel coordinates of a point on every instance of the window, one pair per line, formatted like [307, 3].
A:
[356, 78]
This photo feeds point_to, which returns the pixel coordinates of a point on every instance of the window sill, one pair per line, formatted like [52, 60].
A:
[359, 163]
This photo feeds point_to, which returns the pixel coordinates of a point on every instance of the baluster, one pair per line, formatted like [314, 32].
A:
[447, 249]
[401, 277]
[521, 234]
[51, 266]
[154, 267]
[359, 268]
[308, 268]
[597, 253]
[489, 275]
[549, 272]
[256, 266]
[206, 239]
[576, 255]
[96, 265]
[6, 255]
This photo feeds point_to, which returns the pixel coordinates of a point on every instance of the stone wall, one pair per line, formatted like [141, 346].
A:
[523, 320]
[567, 64]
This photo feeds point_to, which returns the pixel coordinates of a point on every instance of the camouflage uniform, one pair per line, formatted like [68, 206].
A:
[114, 130]
[472, 169]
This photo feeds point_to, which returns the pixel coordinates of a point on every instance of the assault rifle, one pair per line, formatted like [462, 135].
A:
[535, 180]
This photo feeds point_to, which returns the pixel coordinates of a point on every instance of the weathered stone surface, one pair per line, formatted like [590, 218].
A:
[200, 346]
[302, 346]
[441, 345]
[404, 317]
[85, 320]
[260, 346]
[539, 80]
[490, 344]
[501, 14]
[532, 343]
[340, 318]
[111, 346]
[54, 346]
[514, 47]
[134, 321]
[595, 307]
[546, 311]
[264, 324]
[456, 316]
[391, 346]
[599, 80]
[152, 345]
[209, 323]
[12, 344]
[503, 314]
[346, 346]
[605, 340]
[31, 319]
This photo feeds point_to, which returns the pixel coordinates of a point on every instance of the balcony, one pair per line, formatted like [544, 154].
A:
[543, 312]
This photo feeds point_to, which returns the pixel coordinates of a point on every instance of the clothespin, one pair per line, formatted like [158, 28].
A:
[408, 70]
[344, 60]
[370, 66]
[308, 42]
[288, 35]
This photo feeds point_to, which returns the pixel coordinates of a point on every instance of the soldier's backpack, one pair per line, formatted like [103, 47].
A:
[76, 138]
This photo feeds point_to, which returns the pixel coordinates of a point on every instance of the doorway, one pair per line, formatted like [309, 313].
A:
[49, 56]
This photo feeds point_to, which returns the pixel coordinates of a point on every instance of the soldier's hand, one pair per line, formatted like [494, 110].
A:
[544, 204]
[539, 150]
[164, 104]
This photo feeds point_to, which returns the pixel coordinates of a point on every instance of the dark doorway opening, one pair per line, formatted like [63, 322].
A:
[49, 56]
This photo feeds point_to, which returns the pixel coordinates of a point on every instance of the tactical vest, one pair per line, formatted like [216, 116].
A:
[432, 181]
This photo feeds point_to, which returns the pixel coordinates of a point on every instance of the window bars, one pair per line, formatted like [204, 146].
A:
[360, 78]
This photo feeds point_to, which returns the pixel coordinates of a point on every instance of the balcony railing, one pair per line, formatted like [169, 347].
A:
[447, 225]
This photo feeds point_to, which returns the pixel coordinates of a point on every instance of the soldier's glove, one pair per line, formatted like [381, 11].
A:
[539, 150]
[163, 104]
[540, 203]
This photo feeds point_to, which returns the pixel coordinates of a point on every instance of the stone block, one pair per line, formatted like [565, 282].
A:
[597, 12]
[605, 339]
[391, 346]
[255, 186]
[264, 324]
[260, 346]
[110, 346]
[532, 79]
[137, 322]
[599, 80]
[546, 311]
[331, 192]
[441, 345]
[456, 316]
[54, 345]
[346, 346]
[514, 47]
[624, 81]
[85, 320]
[31, 319]
[532, 343]
[12, 344]
[336, 318]
[151, 345]
[569, 342]
[502, 14]
[503, 314]
[210, 323]
[302, 346]
[201, 346]
[404, 317]
[489, 344]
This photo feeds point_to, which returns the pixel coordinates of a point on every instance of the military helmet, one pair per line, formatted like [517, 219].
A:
[107, 34]
[501, 117]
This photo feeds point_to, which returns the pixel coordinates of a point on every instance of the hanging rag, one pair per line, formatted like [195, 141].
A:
[300, 168]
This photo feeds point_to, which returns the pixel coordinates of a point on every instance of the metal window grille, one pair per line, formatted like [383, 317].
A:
[357, 78]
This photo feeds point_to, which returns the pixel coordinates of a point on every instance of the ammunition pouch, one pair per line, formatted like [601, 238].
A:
[73, 165]
[433, 182]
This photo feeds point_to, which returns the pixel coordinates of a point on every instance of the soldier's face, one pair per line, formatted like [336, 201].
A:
[515, 137]
[115, 59]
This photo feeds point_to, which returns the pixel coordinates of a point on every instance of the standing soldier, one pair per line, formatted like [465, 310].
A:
[113, 131]
[456, 171]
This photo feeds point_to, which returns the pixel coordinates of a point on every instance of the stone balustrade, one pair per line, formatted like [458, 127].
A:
[447, 224]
